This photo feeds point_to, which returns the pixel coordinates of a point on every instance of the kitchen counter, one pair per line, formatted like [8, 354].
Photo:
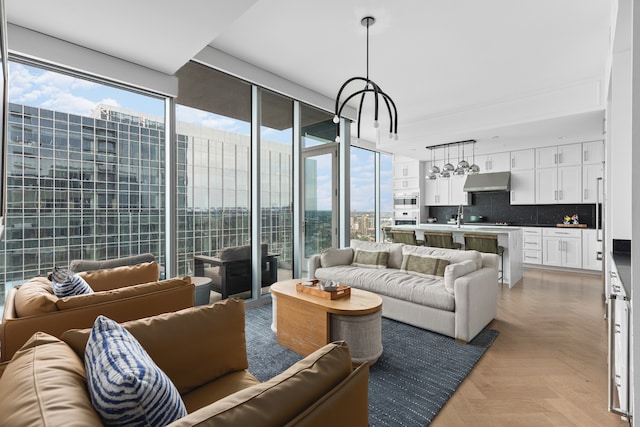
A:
[509, 237]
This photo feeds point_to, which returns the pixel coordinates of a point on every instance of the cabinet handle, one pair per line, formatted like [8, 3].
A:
[555, 159]
[559, 157]
[585, 193]
[585, 157]
[560, 245]
[555, 195]
[560, 195]
[513, 162]
[598, 256]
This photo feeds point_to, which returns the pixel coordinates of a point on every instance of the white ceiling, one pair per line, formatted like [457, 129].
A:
[510, 74]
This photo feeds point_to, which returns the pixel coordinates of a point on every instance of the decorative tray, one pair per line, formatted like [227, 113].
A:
[314, 289]
[572, 225]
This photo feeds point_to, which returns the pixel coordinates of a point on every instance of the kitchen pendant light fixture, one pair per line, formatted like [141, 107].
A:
[369, 87]
[433, 170]
[474, 169]
[463, 165]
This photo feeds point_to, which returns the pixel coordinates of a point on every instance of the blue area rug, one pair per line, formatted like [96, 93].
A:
[413, 379]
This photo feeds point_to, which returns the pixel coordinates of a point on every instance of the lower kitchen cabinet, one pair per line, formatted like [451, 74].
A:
[531, 245]
[591, 250]
[562, 247]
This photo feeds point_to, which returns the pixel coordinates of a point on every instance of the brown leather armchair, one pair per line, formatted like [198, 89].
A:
[230, 272]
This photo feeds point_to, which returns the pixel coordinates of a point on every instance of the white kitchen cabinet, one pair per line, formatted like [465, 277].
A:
[562, 248]
[406, 174]
[561, 185]
[437, 192]
[523, 160]
[592, 188]
[560, 155]
[592, 152]
[456, 195]
[523, 187]
[531, 245]
[591, 250]
[496, 162]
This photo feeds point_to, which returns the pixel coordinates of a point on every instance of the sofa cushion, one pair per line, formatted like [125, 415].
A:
[118, 277]
[393, 283]
[125, 385]
[35, 297]
[65, 283]
[195, 330]
[453, 255]
[118, 294]
[453, 271]
[370, 259]
[291, 392]
[44, 384]
[394, 249]
[423, 265]
[333, 256]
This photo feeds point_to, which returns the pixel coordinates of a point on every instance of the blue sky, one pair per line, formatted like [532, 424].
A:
[60, 92]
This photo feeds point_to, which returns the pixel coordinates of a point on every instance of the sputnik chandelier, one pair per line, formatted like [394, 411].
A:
[369, 86]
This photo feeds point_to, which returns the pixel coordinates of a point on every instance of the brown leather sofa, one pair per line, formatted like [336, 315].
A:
[121, 293]
[210, 374]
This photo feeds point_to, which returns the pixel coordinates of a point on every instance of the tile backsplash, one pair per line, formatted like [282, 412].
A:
[496, 207]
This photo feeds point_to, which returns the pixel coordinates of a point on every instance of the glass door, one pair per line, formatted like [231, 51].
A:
[319, 200]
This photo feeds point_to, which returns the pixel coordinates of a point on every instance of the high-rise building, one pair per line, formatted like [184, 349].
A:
[94, 188]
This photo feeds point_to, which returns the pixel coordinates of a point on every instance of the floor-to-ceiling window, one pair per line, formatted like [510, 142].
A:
[214, 163]
[276, 139]
[320, 179]
[371, 193]
[85, 172]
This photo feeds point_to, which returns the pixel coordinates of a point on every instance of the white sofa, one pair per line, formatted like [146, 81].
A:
[459, 300]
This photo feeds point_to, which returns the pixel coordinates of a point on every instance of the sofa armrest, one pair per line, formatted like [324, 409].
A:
[476, 301]
[16, 331]
[306, 384]
[314, 264]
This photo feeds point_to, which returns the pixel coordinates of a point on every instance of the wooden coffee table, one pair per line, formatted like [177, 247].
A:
[304, 323]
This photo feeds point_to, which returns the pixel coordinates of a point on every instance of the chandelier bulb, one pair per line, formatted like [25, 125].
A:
[395, 136]
[337, 139]
[375, 124]
[390, 135]
[336, 119]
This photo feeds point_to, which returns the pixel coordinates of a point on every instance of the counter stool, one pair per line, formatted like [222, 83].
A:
[407, 237]
[437, 239]
[487, 243]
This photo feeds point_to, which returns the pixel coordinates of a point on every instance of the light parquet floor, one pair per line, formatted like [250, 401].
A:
[548, 367]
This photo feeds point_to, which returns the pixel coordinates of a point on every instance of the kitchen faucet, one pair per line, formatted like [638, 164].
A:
[460, 215]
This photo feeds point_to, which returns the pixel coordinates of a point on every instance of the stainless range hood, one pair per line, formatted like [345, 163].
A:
[497, 181]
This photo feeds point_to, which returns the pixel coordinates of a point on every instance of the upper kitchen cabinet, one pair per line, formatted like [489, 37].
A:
[592, 183]
[561, 155]
[523, 188]
[559, 185]
[523, 159]
[406, 174]
[436, 192]
[592, 152]
[497, 162]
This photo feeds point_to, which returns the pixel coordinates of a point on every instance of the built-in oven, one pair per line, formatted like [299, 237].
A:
[405, 200]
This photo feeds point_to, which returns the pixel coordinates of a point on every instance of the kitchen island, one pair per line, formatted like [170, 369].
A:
[509, 237]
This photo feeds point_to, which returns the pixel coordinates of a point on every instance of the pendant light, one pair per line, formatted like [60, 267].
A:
[433, 170]
[448, 166]
[459, 169]
[463, 164]
[474, 169]
[369, 87]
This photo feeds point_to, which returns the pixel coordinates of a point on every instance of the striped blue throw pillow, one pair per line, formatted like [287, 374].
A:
[67, 284]
[125, 385]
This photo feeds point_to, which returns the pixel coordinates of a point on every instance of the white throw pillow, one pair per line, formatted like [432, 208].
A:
[453, 271]
[332, 257]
